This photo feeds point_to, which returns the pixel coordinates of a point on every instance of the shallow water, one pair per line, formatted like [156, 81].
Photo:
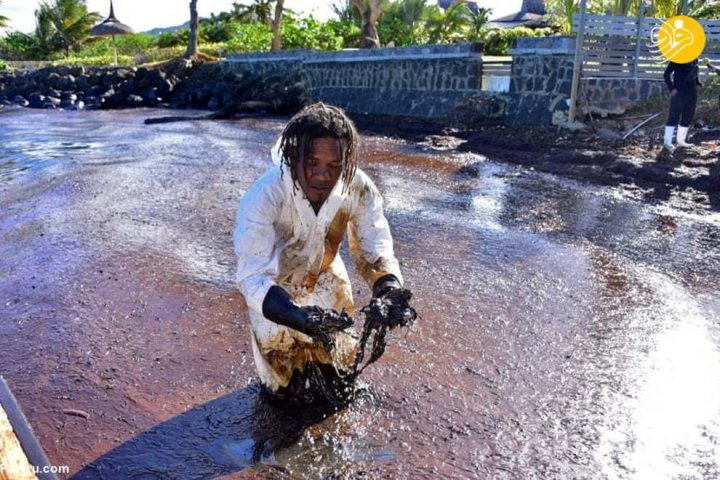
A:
[566, 331]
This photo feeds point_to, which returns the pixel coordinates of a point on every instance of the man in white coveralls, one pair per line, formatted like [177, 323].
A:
[290, 224]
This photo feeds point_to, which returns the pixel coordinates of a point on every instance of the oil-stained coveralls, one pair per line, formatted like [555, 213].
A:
[279, 240]
[682, 77]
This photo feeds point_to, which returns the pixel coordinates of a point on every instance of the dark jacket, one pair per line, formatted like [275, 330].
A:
[682, 76]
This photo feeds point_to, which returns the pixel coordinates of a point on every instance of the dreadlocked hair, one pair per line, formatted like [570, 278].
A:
[315, 121]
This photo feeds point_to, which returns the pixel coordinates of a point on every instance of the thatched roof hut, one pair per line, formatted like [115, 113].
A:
[110, 27]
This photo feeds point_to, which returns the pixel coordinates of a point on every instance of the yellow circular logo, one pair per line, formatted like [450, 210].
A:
[681, 39]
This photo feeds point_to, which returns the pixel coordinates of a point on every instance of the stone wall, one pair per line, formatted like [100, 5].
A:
[617, 94]
[541, 80]
[423, 81]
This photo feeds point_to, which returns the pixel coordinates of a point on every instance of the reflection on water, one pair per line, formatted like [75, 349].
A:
[566, 331]
[678, 402]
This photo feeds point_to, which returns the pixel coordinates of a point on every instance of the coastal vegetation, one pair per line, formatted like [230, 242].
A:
[61, 34]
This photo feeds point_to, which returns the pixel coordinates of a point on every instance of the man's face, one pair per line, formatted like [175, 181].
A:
[319, 172]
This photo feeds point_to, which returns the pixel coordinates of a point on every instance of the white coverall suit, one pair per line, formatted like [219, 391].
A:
[279, 240]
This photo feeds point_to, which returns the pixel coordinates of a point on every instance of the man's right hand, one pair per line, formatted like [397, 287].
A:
[313, 321]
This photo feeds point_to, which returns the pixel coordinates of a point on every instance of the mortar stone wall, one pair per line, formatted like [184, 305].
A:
[425, 81]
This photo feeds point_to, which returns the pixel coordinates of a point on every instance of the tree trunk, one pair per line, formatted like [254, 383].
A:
[370, 11]
[194, 25]
[369, 36]
[277, 34]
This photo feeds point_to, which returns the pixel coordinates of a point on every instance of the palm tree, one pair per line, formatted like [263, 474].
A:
[3, 20]
[193, 36]
[480, 19]
[370, 10]
[258, 11]
[70, 19]
[666, 8]
[411, 11]
[451, 24]
[705, 9]
[45, 37]
[345, 12]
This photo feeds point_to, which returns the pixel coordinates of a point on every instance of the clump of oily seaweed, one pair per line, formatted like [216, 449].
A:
[381, 315]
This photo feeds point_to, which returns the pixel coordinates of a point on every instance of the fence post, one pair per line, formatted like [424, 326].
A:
[577, 63]
[637, 39]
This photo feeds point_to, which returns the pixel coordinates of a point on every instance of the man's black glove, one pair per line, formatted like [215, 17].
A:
[391, 303]
[313, 321]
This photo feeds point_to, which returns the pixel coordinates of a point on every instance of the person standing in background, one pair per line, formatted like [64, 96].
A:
[682, 80]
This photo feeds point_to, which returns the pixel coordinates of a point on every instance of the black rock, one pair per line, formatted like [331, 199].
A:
[52, 79]
[67, 104]
[108, 80]
[151, 95]
[157, 76]
[228, 98]
[108, 93]
[52, 100]
[69, 96]
[165, 88]
[36, 100]
[134, 100]
[66, 83]
[79, 105]
[20, 100]
[141, 73]
[214, 104]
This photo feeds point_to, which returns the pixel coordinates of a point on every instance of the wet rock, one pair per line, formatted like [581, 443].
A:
[67, 104]
[134, 100]
[214, 104]
[77, 70]
[66, 83]
[54, 101]
[20, 100]
[36, 100]
[151, 96]
[52, 79]
[82, 82]
[63, 71]
[79, 105]
[165, 88]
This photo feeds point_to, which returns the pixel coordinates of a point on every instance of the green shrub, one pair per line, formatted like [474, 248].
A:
[498, 41]
[401, 33]
[99, 61]
[219, 32]
[3, 65]
[308, 33]
[348, 31]
[136, 43]
[250, 37]
[17, 46]
[173, 39]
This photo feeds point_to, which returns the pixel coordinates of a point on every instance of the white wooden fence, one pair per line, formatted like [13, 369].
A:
[621, 46]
